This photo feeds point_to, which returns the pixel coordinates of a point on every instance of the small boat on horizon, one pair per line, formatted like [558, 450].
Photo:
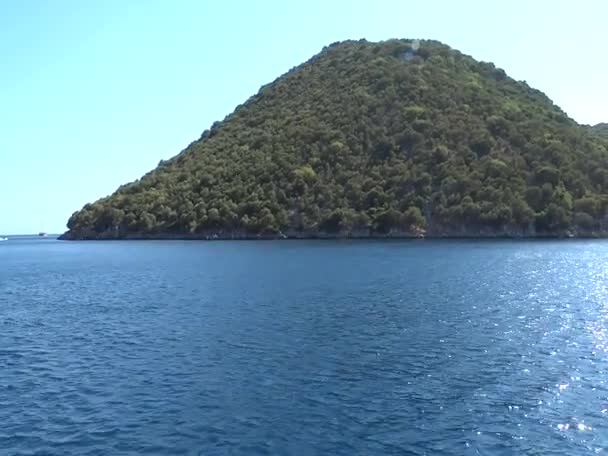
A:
[3, 239]
[42, 234]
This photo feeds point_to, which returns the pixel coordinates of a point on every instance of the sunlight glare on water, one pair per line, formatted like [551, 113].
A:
[303, 348]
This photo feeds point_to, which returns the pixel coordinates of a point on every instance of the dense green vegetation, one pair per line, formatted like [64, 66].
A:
[601, 130]
[390, 138]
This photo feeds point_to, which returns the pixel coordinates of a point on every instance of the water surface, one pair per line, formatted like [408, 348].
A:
[298, 347]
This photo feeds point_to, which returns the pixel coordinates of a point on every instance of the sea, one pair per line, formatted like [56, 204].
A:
[419, 347]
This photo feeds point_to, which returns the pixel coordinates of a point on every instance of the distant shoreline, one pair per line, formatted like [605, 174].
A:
[333, 237]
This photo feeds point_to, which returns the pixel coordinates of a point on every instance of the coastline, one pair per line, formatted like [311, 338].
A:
[295, 236]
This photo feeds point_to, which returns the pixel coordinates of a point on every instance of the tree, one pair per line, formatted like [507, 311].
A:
[413, 218]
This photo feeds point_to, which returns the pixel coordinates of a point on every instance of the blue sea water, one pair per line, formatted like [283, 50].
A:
[303, 348]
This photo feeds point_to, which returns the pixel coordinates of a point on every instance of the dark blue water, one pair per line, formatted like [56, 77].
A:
[303, 348]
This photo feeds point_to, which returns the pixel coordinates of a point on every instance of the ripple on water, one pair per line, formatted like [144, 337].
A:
[303, 348]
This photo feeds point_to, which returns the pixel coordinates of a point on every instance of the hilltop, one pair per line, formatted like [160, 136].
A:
[397, 138]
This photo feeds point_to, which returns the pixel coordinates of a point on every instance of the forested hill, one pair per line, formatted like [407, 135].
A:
[601, 130]
[397, 138]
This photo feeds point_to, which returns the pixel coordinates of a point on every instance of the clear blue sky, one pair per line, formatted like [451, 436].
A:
[94, 94]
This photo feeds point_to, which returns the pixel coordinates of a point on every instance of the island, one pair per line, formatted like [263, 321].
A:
[400, 138]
